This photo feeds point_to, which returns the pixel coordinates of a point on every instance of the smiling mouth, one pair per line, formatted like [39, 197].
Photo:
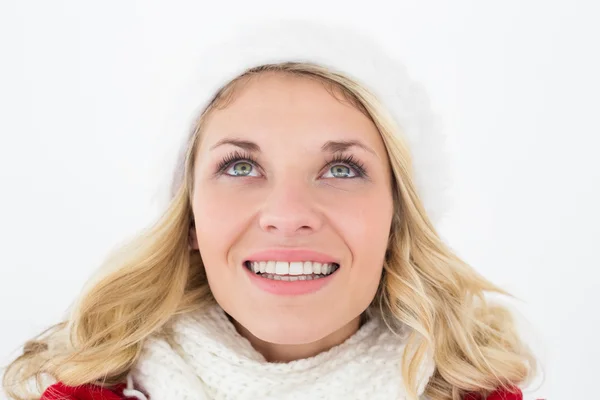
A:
[291, 271]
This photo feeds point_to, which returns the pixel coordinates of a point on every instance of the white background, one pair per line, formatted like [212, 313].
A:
[84, 88]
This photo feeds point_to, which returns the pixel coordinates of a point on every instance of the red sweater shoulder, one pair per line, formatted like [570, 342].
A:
[60, 391]
[500, 394]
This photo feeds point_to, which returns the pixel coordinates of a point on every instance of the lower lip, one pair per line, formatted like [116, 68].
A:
[288, 288]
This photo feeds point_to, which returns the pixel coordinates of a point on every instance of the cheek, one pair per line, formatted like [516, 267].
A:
[364, 223]
[220, 215]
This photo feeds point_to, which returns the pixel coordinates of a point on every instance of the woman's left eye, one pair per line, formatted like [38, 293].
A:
[241, 168]
[340, 171]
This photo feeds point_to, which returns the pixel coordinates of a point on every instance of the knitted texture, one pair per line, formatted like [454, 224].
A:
[206, 358]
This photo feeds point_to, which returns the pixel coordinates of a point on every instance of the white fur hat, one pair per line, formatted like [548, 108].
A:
[340, 48]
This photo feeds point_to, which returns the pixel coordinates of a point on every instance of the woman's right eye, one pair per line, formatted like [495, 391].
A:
[241, 168]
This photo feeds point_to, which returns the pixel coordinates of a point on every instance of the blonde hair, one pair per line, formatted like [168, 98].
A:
[155, 276]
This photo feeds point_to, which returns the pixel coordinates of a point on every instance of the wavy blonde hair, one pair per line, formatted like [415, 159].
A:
[155, 276]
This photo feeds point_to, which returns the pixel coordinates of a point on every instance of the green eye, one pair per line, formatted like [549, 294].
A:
[341, 171]
[242, 168]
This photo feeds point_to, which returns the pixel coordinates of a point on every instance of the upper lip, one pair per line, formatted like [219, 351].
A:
[292, 255]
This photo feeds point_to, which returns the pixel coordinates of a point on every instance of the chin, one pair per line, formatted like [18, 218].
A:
[288, 326]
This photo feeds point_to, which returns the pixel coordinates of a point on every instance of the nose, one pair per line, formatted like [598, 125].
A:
[290, 209]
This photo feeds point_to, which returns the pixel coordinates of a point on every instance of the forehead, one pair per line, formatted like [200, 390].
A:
[287, 109]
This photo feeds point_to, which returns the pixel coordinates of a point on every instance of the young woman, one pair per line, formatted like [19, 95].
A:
[297, 257]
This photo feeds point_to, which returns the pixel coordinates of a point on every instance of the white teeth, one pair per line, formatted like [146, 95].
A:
[307, 266]
[296, 268]
[316, 268]
[292, 271]
[276, 277]
[282, 268]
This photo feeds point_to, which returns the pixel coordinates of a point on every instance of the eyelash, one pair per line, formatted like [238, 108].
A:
[338, 158]
[357, 165]
[232, 158]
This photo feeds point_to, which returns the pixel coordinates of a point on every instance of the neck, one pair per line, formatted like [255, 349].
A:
[281, 353]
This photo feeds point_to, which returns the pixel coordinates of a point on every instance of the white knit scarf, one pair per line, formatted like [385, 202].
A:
[208, 359]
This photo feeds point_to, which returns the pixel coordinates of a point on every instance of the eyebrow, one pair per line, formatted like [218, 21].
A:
[331, 146]
[244, 144]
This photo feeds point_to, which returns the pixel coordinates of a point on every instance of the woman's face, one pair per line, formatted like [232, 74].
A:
[291, 179]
